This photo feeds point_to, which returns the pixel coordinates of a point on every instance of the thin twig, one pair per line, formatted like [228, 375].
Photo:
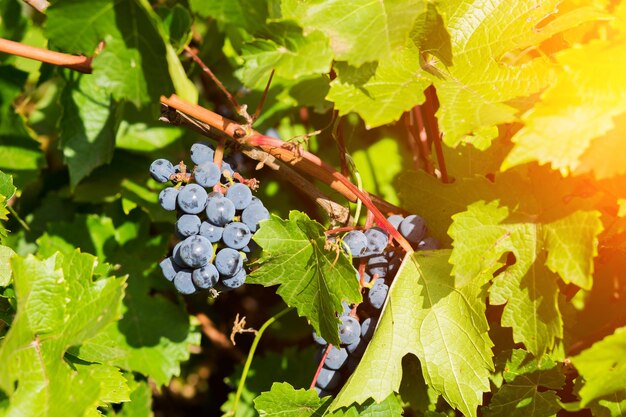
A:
[77, 63]
[257, 112]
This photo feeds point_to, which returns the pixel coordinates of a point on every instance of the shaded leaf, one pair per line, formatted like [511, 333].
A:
[285, 401]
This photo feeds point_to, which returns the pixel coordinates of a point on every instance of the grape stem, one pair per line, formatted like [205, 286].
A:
[320, 365]
[75, 62]
[246, 367]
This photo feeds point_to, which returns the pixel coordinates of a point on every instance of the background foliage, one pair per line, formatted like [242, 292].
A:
[521, 312]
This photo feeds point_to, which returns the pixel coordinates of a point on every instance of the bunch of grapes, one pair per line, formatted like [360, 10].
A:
[372, 254]
[217, 216]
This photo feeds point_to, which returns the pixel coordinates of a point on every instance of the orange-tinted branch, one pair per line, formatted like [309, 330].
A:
[77, 63]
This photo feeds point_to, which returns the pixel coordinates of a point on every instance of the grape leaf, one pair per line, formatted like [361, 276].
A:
[490, 63]
[60, 304]
[7, 190]
[390, 406]
[285, 401]
[613, 405]
[140, 404]
[138, 133]
[249, 15]
[548, 136]
[603, 367]
[13, 22]
[285, 48]
[312, 278]
[6, 254]
[359, 31]
[525, 393]
[88, 127]
[154, 335]
[397, 85]
[445, 327]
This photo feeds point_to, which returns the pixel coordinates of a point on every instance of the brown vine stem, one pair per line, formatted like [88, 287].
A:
[77, 63]
[321, 364]
[422, 141]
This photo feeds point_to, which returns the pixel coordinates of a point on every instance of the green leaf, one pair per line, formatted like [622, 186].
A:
[177, 23]
[390, 406]
[140, 404]
[60, 304]
[285, 401]
[13, 22]
[7, 190]
[249, 15]
[491, 67]
[139, 132]
[525, 393]
[312, 278]
[613, 405]
[397, 85]
[603, 367]
[445, 327]
[286, 49]
[359, 31]
[88, 127]
[6, 254]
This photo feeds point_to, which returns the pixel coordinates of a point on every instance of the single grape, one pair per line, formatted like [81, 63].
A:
[236, 235]
[205, 277]
[378, 293]
[196, 251]
[318, 339]
[428, 243]
[367, 277]
[161, 170]
[176, 256]
[377, 241]
[378, 265]
[220, 210]
[240, 195]
[253, 214]
[183, 282]
[169, 268]
[188, 225]
[357, 348]
[167, 198]
[367, 328]
[228, 262]
[236, 281]
[211, 232]
[192, 199]
[207, 174]
[395, 220]
[328, 379]
[349, 330]
[201, 152]
[322, 392]
[356, 242]
[413, 228]
[336, 358]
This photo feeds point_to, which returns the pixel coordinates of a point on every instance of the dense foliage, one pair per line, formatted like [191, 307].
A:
[501, 124]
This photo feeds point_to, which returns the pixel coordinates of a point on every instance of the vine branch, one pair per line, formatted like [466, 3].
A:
[74, 62]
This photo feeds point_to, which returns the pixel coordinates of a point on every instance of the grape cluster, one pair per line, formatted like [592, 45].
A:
[217, 216]
[369, 249]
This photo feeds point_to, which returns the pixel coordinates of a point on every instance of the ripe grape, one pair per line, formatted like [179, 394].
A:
[349, 330]
[377, 241]
[328, 379]
[377, 265]
[318, 339]
[378, 293]
[395, 220]
[228, 262]
[413, 228]
[207, 174]
[253, 214]
[192, 199]
[201, 152]
[236, 235]
[356, 243]
[336, 358]
[428, 243]
[161, 170]
[240, 195]
[196, 251]
[167, 198]
[220, 210]
[205, 277]
[211, 232]
[169, 268]
[188, 225]
[183, 282]
[236, 281]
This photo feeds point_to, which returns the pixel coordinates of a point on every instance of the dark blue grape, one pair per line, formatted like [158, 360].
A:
[318, 339]
[236, 235]
[322, 392]
[367, 328]
[428, 243]
[176, 255]
[395, 220]
[228, 262]
[192, 199]
[211, 232]
[205, 277]
[349, 330]
[196, 251]
[183, 282]
[356, 242]
[167, 198]
[377, 241]
[253, 214]
[169, 268]
[336, 358]
[377, 265]
[413, 228]
[357, 348]
[161, 170]
[220, 210]
[378, 293]
[240, 195]
[328, 379]
[188, 225]
[236, 281]
[207, 174]
[201, 152]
